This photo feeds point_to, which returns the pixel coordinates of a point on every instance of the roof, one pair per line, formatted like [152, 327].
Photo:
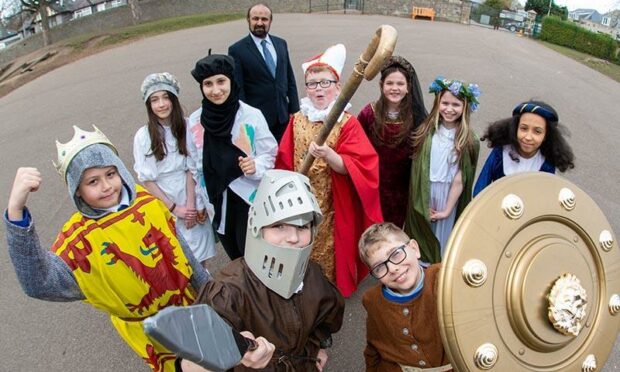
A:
[584, 11]
[5, 34]
[587, 14]
[62, 6]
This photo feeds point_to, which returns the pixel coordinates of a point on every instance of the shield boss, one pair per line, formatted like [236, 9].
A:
[530, 279]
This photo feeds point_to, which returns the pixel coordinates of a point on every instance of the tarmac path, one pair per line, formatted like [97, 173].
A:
[104, 90]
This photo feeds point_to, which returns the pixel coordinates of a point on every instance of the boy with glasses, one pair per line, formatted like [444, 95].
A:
[402, 329]
[345, 173]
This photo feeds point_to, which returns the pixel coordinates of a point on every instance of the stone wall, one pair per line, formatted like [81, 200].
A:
[158, 9]
[445, 10]
[398, 8]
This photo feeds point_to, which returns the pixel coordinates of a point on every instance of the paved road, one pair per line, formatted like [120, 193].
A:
[104, 90]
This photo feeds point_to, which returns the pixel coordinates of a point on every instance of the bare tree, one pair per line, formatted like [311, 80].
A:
[135, 10]
[8, 9]
[41, 7]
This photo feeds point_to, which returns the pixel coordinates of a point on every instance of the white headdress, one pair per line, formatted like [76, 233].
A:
[333, 57]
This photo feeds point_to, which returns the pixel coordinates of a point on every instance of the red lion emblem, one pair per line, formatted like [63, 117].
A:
[161, 278]
[157, 360]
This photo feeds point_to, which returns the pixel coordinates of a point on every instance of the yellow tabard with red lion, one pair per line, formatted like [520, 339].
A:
[129, 264]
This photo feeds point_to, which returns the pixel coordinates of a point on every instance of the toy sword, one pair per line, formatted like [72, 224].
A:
[197, 333]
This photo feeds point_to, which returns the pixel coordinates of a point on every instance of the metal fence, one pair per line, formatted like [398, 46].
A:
[336, 6]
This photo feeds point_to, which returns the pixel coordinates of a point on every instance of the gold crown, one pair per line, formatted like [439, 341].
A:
[80, 140]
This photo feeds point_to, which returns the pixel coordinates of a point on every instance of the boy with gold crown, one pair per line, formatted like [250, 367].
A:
[345, 174]
[119, 252]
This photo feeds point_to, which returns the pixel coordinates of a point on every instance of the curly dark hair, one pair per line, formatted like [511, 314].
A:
[554, 148]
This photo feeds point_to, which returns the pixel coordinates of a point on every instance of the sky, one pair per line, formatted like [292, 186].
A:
[602, 6]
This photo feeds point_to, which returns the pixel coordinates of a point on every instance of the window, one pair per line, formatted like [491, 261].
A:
[82, 13]
[101, 7]
[116, 3]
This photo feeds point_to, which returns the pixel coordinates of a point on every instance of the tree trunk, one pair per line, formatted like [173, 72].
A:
[135, 11]
[45, 27]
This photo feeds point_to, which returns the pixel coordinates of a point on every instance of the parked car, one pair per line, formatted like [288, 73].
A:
[514, 26]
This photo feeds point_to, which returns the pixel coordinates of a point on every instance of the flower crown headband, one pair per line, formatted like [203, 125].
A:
[471, 92]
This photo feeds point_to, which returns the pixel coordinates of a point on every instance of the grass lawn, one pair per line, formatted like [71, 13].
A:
[162, 26]
[13, 74]
[604, 67]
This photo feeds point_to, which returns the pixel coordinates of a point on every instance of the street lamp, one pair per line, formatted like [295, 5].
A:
[549, 11]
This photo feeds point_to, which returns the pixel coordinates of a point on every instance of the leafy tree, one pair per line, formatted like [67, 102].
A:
[560, 11]
[499, 5]
[516, 4]
[494, 7]
[541, 7]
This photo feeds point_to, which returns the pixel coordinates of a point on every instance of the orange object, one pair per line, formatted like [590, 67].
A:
[423, 12]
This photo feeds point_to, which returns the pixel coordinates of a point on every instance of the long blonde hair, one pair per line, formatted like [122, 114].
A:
[462, 140]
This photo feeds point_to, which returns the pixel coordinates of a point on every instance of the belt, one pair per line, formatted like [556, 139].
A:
[444, 368]
[280, 356]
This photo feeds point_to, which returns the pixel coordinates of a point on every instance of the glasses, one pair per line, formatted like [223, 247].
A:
[322, 83]
[380, 270]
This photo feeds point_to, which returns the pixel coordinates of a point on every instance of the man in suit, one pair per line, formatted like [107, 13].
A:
[263, 71]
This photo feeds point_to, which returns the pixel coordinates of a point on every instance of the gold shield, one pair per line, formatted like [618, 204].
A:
[530, 280]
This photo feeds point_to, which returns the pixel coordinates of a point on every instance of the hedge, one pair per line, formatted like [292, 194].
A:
[569, 34]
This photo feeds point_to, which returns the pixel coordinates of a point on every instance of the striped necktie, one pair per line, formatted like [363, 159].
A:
[271, 65]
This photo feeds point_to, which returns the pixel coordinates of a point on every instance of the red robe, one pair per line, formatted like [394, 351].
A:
[394, 166]
[355, 197]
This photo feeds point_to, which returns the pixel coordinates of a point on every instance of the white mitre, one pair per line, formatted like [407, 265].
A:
[333, 57]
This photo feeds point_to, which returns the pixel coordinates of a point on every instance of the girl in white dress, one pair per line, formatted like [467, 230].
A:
[445, 153]
[161, 163]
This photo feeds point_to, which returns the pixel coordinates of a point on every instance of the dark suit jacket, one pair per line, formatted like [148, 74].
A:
[276, 98]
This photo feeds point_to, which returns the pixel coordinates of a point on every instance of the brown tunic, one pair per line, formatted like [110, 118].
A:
[406, 333]
[295, 326]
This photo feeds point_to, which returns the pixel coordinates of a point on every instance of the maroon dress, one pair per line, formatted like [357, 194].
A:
[394, 168]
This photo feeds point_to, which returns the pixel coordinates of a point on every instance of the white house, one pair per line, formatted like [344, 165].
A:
[612, 21]
[581, 15]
